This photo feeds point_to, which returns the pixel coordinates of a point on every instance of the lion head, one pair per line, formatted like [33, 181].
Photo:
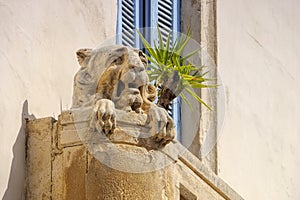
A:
[117, 73]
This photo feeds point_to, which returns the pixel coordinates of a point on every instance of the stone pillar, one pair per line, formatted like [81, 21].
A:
[39, 158]
[104, 182]
[60, 165]
[126, 166]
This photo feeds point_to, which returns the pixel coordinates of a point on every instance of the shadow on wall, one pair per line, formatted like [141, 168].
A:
[16, 183]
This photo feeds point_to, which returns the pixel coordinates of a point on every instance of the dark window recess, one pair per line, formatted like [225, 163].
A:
[185, 194]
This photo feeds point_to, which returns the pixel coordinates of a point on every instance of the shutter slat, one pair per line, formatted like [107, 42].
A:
[163, 15]
[128, 23]
[128, 3]
[165, 24]
[130, 19]
[165, 34]
[127, 41]
[126, 10]
[130, 29]
[165, 6]
[128, 35]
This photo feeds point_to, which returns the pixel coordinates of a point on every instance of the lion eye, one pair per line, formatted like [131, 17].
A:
[131, 66]
[118, 61]
[143, 57]
[141, 54]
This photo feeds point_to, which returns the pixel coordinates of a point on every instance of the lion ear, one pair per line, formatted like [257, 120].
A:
[83, 54]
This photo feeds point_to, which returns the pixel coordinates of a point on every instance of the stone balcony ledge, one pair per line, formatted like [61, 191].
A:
[60, 140]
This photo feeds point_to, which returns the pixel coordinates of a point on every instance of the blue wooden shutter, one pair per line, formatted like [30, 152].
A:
[129, 18]
[166, 14]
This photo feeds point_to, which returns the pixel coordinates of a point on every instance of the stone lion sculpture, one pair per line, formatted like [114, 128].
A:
[114, 77]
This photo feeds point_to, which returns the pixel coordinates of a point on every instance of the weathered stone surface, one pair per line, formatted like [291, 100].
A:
[201, 14]
[74, 161]
[39, 158]
[70, 171]
[108, 183]
[58, 187]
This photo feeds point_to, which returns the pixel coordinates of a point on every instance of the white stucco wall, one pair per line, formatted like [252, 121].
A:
[258, 60]
[38, 41]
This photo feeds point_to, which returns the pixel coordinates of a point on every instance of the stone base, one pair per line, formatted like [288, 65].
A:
[61, 166]
[107, 183]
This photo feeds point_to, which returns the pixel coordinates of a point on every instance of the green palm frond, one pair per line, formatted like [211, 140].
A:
[166, 57]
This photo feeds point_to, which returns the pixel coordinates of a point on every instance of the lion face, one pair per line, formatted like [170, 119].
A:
[133, 73]
[126, 70]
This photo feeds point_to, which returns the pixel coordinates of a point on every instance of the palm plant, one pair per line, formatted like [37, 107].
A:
[171, 72]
